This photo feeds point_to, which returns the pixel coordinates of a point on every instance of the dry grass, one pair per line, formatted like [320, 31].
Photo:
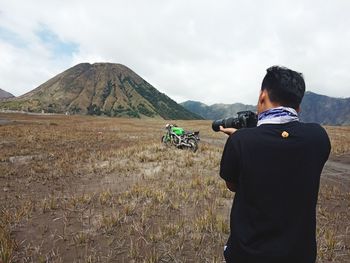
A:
[340, 139]
[84, 189]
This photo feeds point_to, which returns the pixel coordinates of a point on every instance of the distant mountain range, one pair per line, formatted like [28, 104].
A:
[314, 108]
[325, 110]
[99, 89]
[216, 111]
[5, 95]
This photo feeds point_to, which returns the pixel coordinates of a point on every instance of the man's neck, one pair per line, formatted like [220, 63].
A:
[269, 106]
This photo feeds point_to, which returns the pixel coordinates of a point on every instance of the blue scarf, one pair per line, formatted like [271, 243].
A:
[278, 115]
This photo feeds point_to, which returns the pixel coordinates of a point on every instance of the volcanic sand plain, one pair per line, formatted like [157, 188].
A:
[96, 189]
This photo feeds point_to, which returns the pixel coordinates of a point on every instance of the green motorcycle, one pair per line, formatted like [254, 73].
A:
[177, 137]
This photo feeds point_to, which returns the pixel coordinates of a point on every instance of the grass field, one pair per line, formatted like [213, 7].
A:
[90, 189]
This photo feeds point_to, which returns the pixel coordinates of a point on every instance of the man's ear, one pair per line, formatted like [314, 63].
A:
[261, 101]
[298, 109]
[262, 96]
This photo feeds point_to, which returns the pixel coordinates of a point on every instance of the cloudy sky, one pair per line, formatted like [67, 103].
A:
[210, 51]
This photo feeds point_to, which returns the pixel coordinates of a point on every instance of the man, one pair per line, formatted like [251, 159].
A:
[275, 171]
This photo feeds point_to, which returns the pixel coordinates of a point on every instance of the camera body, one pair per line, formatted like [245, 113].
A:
[245, 119]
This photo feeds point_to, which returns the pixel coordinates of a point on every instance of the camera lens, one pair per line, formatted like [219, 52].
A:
[231, 123]
[216, 125]
[245, 119]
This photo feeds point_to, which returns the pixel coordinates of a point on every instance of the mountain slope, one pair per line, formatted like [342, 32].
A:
[100, 88]
[325, 110]
[5, 95]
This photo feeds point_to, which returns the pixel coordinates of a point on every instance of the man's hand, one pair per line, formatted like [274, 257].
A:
[228, 131]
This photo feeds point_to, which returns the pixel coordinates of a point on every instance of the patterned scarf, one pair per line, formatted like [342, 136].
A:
[278, 115]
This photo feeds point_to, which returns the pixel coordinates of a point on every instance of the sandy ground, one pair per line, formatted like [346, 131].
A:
[337, 170]
[83, 189]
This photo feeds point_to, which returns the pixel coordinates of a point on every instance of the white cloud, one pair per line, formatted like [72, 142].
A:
[212, 51]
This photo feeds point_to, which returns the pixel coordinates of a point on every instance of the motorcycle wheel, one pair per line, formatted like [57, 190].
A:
[176, 141]
[194, 145]
[165, 141]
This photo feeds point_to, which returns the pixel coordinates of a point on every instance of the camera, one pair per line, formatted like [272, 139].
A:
[245, 119]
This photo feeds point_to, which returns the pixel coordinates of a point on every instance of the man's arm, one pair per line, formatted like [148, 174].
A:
[228, 131]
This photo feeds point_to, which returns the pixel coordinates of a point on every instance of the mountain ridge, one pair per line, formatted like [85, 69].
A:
[100, 89]
[325, 109]
[217, 110]
[317, 108]
[5, 95]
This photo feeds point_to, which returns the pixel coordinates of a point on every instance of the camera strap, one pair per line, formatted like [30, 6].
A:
[278, 115]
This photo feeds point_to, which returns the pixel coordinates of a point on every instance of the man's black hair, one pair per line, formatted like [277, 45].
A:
[284, 86]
